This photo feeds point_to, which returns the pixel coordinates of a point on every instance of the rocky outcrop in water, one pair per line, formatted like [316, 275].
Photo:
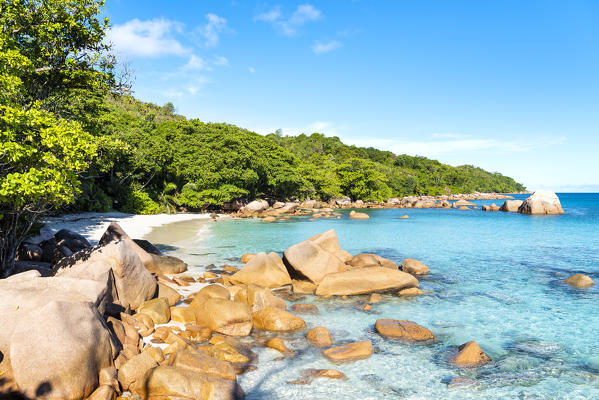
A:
[541, 202]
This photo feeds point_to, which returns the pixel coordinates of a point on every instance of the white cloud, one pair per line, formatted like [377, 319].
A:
[251, 69]
[269, 16]
[321, 48]
[220, 61]
[152, 38]
[449, 136]
[303, 14]
[212, 30]
[195, 63]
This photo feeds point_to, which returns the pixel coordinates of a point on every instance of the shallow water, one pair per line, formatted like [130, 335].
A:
[495, 278]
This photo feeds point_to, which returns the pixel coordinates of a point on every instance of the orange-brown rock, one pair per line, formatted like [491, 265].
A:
[308, 261]
[303, 287]
[157, 309]
[319, 336]
[349, 352]
[410, 292]
[580, 281]
[327, 240]
[169, 293]
[247, 257]
[200, 361]
[414, 267]
[266, 270]
[375, 298]
[213, 291]
[224, 316]
[365, 280]
[198, 333]
[358, 215]
[324, 373]
[185, 315]
[275, 319]
[470, 355]
[371, 260]
[408, 331]
[258, 298]
[279, 345]
[135, 369]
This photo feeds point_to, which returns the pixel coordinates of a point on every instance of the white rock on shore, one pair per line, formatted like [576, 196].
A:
[541, 202]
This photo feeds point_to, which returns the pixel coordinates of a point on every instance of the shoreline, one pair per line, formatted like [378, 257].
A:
[92, 225]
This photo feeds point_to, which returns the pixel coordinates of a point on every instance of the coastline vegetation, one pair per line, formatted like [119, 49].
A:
[73, 138]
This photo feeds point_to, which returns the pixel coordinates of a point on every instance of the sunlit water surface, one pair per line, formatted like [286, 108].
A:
[495, 278]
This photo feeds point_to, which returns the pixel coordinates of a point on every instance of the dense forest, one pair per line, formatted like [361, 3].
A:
[152, 160]
[73, 138]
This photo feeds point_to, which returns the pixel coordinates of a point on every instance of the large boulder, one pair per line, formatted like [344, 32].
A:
[408, 331]
[224, 316]
[72, 240]
[200, 361]
[309, 261]
[490, 207]
[358, 215]
[256, 206]
[133, 371]
[275, 319]
[365, 280]
[157, 309]
[29, 252]
[414, 267]
[133, 284]
[371, 260]
[470, 355]
[59, 349]
[19, 297]
[168, 382]
[349, 352]
[266, 270]
[259, 298]
[154, 263]
[511, 205]
[327, 240]
[541, 202]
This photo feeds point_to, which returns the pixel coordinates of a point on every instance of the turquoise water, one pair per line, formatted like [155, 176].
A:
[495, 278]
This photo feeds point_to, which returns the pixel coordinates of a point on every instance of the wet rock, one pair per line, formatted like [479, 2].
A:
[303, 287]
[72, 240]
[200, 361]
[410, 292]
[366, 307]
[580, 281]
[541, 202]
[349, 352]
[224, 316]
[414, 267]
[324, 373]
[53, 252]
[29, 252]
[358, 215]
[259, 298]
[404, 217]
[269, 219]
[157, 309]
[230, 352]
[375, 298]
[511, 205]
[165, 382]
[301, 308]
[62, 335]
[490, 207]
[470, 355]
[371, 260]
[266, 270]
[279, 345]
[309, 261]
[274, 319]
[403, 330]
[365, 280]
[148, 247]
[319, 336]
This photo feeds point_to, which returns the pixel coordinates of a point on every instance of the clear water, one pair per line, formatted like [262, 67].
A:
[495, 278]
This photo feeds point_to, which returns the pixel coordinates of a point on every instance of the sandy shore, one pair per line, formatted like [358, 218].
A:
[93, 225]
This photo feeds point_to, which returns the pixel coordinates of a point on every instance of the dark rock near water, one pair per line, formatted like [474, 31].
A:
[148, 247]
[72, 240]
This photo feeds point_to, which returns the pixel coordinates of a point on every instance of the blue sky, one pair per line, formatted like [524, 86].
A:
[510, 86]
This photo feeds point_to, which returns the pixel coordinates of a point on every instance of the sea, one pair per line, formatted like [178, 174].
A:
[496, 278]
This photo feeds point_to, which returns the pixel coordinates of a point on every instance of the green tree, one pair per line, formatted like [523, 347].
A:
[49, 50]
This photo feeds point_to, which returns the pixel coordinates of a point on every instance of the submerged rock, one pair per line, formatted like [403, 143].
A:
[410, 292]
[580, 281]
[349, 352]
[541, 202]
[358, 215]
[324, 373]
[319, 336]
[274, 319]
[403, 330]
[414, 267]
[365, 280]
[279, 345]
[470, 355]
